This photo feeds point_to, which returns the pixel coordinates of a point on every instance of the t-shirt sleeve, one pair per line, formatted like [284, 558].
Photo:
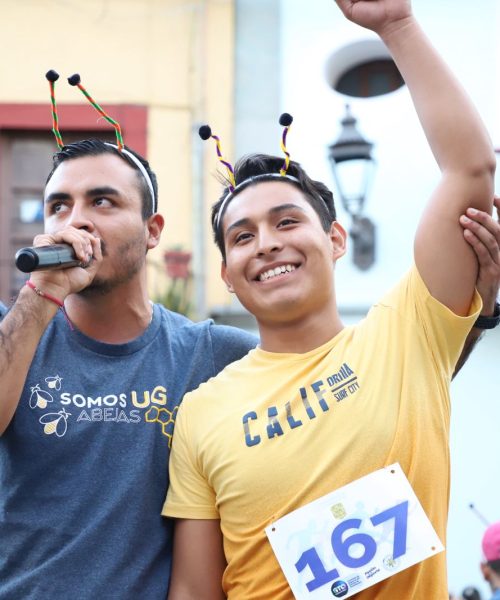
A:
[443, 331]
[189, 494]
[230, 344]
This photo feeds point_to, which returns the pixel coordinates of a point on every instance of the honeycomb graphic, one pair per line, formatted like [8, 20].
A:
[165, 417]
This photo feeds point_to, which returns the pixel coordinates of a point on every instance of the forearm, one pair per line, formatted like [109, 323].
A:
[456, 134]
[20, 333]
[482, 233]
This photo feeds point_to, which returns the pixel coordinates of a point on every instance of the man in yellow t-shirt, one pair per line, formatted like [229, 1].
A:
[275, 431]
[319, 405]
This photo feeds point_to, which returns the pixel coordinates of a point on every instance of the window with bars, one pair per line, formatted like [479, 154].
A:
[26, 160]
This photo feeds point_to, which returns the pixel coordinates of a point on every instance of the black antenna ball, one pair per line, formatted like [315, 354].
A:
[205, 132]
[286, 120]
[74, 79]
[52, 75]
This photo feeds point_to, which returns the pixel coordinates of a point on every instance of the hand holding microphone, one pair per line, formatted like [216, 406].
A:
[41, 258]
[55, 258]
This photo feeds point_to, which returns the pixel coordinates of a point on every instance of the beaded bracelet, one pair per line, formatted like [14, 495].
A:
[53, 299]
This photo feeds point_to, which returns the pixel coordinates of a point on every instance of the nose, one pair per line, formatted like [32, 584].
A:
[79, 218]
[268, 241]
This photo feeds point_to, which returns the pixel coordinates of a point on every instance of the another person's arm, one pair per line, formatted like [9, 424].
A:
[198, 557]
[482, 232]
[24, 324]
[458, 140]
[198, 561]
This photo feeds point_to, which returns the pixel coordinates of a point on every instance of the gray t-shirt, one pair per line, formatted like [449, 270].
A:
[83, 464]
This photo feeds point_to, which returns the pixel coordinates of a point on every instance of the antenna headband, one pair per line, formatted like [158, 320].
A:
[75, 80]
[245, 183]
[205, 133]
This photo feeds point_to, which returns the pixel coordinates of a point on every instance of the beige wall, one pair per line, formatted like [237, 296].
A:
[174, 56]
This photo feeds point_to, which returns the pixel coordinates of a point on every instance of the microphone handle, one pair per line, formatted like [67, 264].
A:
[58, 256]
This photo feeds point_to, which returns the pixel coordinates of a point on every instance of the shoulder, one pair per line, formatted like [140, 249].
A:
[411, 315]
[222, 385]
[230, 344]
[411, 296]
[220, 334]
[408, 287]
[224, 334]
[220, 343]
[175, 324]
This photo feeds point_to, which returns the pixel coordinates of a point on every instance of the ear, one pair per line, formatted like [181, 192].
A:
[154, 226]
[485, 570]
[338, 237]
[225, 278]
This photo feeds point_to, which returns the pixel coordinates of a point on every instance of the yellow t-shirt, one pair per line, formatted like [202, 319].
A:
[273, 432]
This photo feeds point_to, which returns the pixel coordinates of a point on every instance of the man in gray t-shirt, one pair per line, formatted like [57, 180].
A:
[89, 393]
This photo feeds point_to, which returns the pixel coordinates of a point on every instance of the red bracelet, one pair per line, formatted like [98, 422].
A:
[31, 285]
[53, 299]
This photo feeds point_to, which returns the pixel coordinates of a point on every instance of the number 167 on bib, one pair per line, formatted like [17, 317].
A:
[353, 537]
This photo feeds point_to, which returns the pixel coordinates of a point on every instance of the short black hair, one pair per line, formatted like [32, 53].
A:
[495, 565]
[252, 165]
[94, 147]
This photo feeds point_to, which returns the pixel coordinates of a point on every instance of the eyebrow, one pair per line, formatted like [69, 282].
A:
[272, 211]
[56, 197]
[92, 193]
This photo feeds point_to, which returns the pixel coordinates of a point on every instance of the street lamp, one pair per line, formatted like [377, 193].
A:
[352, 166]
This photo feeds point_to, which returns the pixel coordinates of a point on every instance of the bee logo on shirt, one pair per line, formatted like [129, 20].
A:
[39, 397]
[56, 422]
[54, 383]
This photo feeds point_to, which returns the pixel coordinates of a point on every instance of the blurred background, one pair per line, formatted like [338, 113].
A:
[164, 67]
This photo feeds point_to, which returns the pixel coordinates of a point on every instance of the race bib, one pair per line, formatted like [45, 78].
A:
[354, 537]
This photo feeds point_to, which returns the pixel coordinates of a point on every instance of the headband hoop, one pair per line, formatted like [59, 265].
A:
[141, 168]
[245, 183]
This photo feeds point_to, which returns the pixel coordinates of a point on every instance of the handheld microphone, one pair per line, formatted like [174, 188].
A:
[58, 256]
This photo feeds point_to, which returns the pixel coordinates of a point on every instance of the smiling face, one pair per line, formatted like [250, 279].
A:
[279, 259]
[102, 195]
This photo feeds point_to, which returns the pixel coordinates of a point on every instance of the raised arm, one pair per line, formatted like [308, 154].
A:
[24, 324]
[198, 561]
[457, 138]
